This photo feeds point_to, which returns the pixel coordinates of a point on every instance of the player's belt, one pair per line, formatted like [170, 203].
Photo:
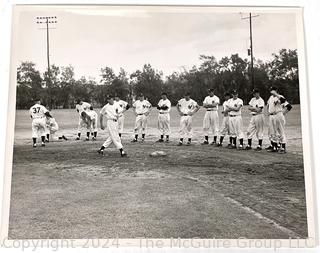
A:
[211, 110]
[163, 112]
[233, 115]
[256, 114]
[185, 114]
[274, 113]
[114, 120]
[139, 114]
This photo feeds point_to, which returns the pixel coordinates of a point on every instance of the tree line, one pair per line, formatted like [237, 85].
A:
[61, 89]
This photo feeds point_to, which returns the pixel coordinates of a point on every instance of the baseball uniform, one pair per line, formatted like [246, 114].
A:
[256, 124]
[235, 118]
[83, 107]
[211, 118]
[122, 104]
[37, 113]
[164, 116]
[110, 112]
[186, 107]
[224, 130]
[94, 120]
[276, 119]
[141, 109]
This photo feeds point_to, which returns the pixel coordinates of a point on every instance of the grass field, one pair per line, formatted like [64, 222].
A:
[66, 190]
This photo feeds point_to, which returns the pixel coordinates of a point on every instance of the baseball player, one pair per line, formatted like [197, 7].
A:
[256, 124]
[84, 120]
[110, 112]
[234, 106]
[186, 107]
[142, 110]
[211, 117]
[225, 122]
[51, 129]
[93, 123]
[124, 107]
[277, 107]
[164, 107]
[38, 114]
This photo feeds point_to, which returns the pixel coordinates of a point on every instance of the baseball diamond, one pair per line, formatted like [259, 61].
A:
[207, 191]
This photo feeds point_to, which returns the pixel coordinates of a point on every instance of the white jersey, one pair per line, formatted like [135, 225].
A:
[111, 112]
[92, 114]
[141, 107]
[83, 107]
[122, 104]
[235, 103]
[224, 108]
[257, 103]
[37, 111]
[165, 102]
[275, 105]
[187, 106]
[210, 100]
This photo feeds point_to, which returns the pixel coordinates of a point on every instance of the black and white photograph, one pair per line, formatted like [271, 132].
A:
[157, 122]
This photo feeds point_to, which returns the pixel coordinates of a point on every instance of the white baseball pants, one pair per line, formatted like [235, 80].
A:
[256, 126]
[225, 129]
[38, 127]
[235, 124]
[277, 124]
[113, 135]
[186, 127]
[211, 122]
[164, 123]
[141, 124]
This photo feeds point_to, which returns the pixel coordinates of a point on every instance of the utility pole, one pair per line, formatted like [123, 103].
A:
[250, 51]
[48, 20]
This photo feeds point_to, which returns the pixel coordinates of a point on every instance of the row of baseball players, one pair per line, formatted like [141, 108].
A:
[277, 107]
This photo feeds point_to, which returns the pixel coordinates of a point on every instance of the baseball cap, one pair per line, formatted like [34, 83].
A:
[255, 90]
[274, 88]
[234, 92]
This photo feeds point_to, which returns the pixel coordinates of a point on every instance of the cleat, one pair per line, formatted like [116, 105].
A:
[134, 140]
[269, 148]
[65, 138]
[188, 143]
[142, 140]
[160, 140]
[43, 144]
[47, 140]
[78, 138]
[282, 151]
[219, 145]
[94, 138]
[205, 143]
[248, 148]
[34, 145]
[179, 144]
[167, 141]
[124, 154]
[213, 143]
[100, 151]
[87, 138]
[258, 148]
[230, 146]
[241, 147]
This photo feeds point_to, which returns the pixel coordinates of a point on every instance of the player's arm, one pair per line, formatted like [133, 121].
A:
[197, 108]
[287, 108]
[236, 109]
[47, 113]
[149, 109]
[179, 109]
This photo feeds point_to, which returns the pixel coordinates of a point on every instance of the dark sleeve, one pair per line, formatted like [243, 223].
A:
[158, 107]
[164, 107]
[127, 107]
[282, 100]
[289, 107]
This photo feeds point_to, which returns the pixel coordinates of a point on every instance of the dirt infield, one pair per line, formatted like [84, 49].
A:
[66, 190]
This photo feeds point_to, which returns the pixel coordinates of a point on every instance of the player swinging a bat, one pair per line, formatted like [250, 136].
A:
[110, 113]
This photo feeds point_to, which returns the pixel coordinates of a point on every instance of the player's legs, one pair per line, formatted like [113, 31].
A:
[215, 125]
[281, 131]
[239, 131]
[42, 130]
[166, 126]
[224, 130]
[137, 127]
[144, 122]
[233, 133]
[94, 128]
[273, 132]
[206, 126]
[183, 126]
[189, 130]
[251, 131]
[121, 124]
[259, 121]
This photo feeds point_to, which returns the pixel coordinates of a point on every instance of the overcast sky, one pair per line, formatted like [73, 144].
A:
[128, 37]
